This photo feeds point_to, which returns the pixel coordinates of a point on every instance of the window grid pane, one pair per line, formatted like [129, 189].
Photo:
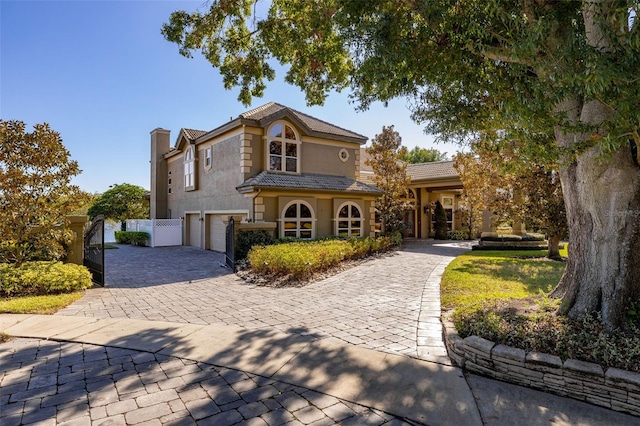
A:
[298, 224]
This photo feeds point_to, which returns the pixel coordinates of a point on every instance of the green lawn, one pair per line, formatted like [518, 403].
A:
[478, 276]
[48, 304]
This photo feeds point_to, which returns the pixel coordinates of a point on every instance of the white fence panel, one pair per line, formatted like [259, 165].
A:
[110, 229]
[167, 232]
[162, 232]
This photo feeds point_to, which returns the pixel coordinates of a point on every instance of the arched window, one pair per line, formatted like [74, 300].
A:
[189, 168]
[297, 220]
[284, 147]
[349, 222]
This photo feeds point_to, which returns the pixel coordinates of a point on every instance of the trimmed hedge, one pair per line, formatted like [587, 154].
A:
[248, 239]
[134, 238]
[40, 277]
[303, 258]
[512, 237]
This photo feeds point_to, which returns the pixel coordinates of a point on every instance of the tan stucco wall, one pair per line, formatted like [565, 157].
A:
[324, 159]
[216, 187]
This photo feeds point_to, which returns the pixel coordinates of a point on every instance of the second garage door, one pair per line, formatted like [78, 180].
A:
[217, 235]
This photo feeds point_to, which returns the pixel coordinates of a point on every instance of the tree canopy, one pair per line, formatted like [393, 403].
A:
[35, 193]
[535, 71]
[390, 175]
[424, 155]
[512, 189]
[121, 202]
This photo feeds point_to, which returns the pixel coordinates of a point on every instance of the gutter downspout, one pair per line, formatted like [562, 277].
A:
[253, 205]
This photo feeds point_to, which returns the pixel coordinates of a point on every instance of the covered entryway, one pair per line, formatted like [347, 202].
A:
[192, 233]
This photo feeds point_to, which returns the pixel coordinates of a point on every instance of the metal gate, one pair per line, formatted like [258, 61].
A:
[230, 256]
[94, 250]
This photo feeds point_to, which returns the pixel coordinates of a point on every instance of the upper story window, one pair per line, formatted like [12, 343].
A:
[284, 149]
[189, 168]
[207, 157]
[349, 220]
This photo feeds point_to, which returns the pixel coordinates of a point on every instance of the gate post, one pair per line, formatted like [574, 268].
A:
[75, 252]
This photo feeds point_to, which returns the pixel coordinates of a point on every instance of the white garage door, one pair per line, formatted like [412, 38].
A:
[217, 234]
[194, 230]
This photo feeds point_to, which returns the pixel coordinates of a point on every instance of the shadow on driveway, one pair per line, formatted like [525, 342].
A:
[131, 266]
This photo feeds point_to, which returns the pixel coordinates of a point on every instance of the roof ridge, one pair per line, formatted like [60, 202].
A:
[258, 109]
[429, 162]
[325, 122]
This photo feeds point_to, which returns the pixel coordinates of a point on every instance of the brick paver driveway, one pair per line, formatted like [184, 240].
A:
[377, 304]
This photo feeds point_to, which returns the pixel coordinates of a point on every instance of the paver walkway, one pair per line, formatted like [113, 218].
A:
[391, 304]
[74, 384]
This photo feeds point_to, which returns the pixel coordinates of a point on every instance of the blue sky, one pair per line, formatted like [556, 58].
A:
[101, 74]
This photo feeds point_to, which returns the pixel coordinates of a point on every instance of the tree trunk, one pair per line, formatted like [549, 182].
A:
[554, 247]
[602, 197]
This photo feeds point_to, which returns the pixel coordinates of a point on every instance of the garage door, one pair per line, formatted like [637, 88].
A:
[194, 230]
[217, 235]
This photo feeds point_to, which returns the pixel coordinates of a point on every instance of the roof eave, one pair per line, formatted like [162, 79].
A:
[253, 188]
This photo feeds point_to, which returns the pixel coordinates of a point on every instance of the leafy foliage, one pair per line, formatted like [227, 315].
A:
[512, 187]
[121, 202]
[303, 258]
[526, 71]
[248, 239]
[37, 278]
[440, 225]
[424, 155]
[390, 175]
[135, 238]
[35, 193]
[542, 331]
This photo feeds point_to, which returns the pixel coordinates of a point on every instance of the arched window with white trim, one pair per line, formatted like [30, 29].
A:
[283, 145]
[189, 168]
[298, 221]
[349, 220]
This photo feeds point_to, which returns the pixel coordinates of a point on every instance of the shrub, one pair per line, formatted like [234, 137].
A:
[302, 258]
[502, 238]
[135, 238]
[532, 237]
[440, 225]
[40, 277]
[458, 234]
[122, 237]
[248, 239]
[552, 334]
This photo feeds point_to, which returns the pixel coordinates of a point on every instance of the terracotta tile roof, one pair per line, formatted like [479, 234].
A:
[436, 170]
[314, 124]
[193, 134]
[306, 181]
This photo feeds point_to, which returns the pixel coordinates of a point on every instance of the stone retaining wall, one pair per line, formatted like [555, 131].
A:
[615, 389]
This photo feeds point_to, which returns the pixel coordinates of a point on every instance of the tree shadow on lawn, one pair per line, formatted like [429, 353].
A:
[535, 275]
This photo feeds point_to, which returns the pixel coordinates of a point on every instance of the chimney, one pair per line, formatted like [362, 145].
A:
[159, 189]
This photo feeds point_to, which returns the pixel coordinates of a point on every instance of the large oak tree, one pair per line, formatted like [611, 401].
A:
[515, 68]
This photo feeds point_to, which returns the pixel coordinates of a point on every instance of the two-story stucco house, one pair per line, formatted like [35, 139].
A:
[270, 164]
